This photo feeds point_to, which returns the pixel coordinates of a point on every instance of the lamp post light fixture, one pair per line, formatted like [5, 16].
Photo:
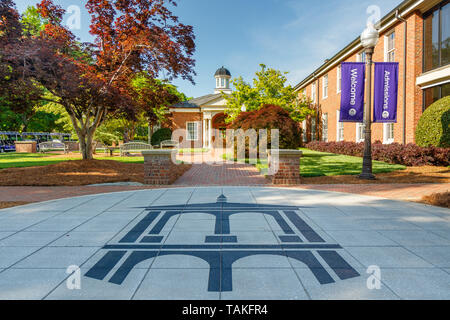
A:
[369, 39]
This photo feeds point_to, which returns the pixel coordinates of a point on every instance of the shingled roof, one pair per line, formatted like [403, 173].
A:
[197, 102]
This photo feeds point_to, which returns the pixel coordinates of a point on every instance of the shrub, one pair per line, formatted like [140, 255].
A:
[161, 135]
[409, 155]
[433, 128]
[271, 117]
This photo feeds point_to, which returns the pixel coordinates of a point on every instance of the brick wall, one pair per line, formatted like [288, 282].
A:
[288, 167]
[159, 168]
[178, 120]
[414, 99]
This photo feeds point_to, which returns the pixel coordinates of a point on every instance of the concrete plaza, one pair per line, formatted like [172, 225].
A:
[225, 243]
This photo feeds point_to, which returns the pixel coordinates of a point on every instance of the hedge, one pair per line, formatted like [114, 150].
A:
[433, 128]
[395, 153]
[161, 135]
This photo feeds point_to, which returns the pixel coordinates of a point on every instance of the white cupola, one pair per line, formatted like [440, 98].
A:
[222, 77]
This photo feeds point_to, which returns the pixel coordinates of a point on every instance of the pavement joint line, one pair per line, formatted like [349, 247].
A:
[289, 260]
[95, 252]
[157, 255]
[65, 279]
[364, 267]
[41, 247]
[136, 218]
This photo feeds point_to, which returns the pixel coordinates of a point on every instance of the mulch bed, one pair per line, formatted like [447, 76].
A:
[425, 174]
[78, 173]
[438, 199]
[10, 204]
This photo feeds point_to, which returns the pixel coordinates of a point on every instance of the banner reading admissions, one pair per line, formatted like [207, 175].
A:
[385, 92]
[352, 91]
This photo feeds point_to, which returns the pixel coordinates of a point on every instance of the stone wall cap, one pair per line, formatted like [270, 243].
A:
[286, 152]
[158, 152]
[24, 142]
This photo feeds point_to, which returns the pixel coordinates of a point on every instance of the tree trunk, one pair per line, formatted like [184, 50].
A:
[86, 146]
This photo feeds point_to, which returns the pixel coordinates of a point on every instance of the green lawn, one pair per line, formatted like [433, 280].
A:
[312, 164]
[20, 160]
[317, 164]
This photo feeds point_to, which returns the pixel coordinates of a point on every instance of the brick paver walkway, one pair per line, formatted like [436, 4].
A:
[390, 191]
[223, 174]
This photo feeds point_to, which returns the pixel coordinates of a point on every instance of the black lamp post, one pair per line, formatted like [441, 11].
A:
[369, 39]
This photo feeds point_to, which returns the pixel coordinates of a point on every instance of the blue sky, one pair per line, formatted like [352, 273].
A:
[289, 35]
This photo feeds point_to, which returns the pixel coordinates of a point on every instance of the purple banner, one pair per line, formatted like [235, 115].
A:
[385, 92]
[352, 91]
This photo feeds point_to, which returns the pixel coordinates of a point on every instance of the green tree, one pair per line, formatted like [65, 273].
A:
[269, 88]
[32, 22]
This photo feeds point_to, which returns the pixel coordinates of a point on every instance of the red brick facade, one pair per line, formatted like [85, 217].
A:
[179, 120]
[288, 172]
[414, 94]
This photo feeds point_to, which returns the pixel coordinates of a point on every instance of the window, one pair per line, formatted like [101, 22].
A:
[389, 47]
[222, 82]
[313, 92]
[227, 83]
[339, 79]
[339, 128]
[361, 57]
[305, 138]
[325, 87]
[360, 132]
[436, 40]
[433, 94]
[325, 127]
[217, 82]
[192, 131]
[313, 129]
[388, 133]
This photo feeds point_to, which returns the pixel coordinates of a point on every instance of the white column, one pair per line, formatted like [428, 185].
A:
[204, 132]
[209, 133]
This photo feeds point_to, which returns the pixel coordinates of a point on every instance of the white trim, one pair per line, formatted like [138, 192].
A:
[304, 133]
[339, 78]
[386, 46]
[434, 77]
[323, 86]
[338, 125]
[191, 110]
[359, 135]
[325, 117]
[188, 136]
[435, 84]
[314, 92]
[387, 140]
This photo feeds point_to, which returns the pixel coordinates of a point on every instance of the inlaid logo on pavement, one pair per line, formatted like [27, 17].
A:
[221, 249]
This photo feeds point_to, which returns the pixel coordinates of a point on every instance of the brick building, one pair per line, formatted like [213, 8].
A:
[199, 116]
[424, 26]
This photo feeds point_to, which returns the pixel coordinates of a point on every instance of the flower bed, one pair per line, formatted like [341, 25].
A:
[408, 155]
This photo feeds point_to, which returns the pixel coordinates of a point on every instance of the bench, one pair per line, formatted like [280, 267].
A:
[100, 146]
[169, 144]
[53, 146]
[134, 147]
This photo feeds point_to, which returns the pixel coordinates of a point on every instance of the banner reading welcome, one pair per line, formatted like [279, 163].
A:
[385, 92]
[352, 91]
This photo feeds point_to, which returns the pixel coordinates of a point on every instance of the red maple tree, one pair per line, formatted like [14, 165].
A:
[93, 80]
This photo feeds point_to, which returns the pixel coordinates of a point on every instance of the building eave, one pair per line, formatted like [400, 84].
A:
[386, 22]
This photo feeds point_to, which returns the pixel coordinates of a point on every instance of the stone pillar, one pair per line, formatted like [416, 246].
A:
[288, 162]
[26, 146]
[158, 167]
